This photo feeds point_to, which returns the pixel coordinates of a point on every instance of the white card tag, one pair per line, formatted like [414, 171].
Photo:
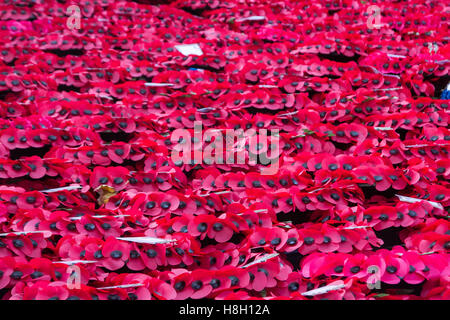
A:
[414, 200]
[252, 18]
[323, 290]
[154, 84]
[148, 240]
[189, 49]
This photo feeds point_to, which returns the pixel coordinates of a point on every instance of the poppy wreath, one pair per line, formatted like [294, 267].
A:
[94, 206]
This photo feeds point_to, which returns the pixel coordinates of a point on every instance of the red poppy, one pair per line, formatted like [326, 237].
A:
[116, 253]
[7, 265]
[396, 268]
[44, 290]
[274, 237]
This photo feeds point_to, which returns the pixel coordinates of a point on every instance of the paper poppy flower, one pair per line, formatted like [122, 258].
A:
[263, 275]
[7, 265]
[152, 256]
[274, 237]
[44, 290]
[116, 253]
[396, 269]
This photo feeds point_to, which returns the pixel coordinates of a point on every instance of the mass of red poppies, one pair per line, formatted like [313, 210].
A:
[94, 207]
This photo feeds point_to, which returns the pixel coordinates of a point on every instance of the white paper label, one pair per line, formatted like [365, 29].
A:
[189, 49]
